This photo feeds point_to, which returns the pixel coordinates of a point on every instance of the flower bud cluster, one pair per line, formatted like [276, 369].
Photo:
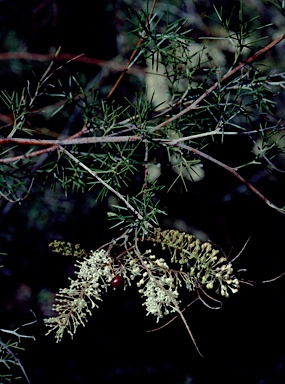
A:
[67, 249]
[201, 260]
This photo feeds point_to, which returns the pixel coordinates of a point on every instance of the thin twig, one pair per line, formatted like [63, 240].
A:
[241, 251]
[121, 197]
[262, 154]
[20, 198]
[248, 282]
[70, 140]
[222, 133]
[16, 360]
[132, 55]
[112, 64]
[174, 317]
[232, 171]
[210, 297]
[84, 129]
[174, 302]
[15, 333]
[231, 72]
[274, 279]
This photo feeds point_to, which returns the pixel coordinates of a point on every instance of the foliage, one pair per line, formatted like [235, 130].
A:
[9, 358]
[202, 98]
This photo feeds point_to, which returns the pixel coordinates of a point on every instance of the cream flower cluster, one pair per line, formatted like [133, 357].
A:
[227, 280]
[159, 292]
[73, 303]
[192, 263]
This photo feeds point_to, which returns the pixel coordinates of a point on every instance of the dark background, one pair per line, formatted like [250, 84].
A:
[243, 342]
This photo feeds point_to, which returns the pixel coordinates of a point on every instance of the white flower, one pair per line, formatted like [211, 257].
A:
[159, 300]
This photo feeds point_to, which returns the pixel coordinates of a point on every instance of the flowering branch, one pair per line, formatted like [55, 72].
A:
[169, 294]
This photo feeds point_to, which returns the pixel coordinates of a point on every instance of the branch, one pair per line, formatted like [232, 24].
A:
[231, 72]
[83, 130]
[15, 333]
[121, 197]
[112, 64]
[70, 140]
[20, 198]
[16, 360]
[241, 251]
[274, 279]
[229, 169]
[174, 302]
[126, 68]
[218, 131]
[174, 317]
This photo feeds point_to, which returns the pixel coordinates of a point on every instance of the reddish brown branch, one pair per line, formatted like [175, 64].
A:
[174, 317]
[231, 72]
[115, 66]
[71, 140]
[231, 170]
[126, 68]
[55, 143]
[42, 151]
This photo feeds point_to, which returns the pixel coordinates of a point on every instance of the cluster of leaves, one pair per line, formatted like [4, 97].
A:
[117, 141]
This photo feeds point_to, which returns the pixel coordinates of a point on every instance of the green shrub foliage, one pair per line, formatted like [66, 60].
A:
[197, 89]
